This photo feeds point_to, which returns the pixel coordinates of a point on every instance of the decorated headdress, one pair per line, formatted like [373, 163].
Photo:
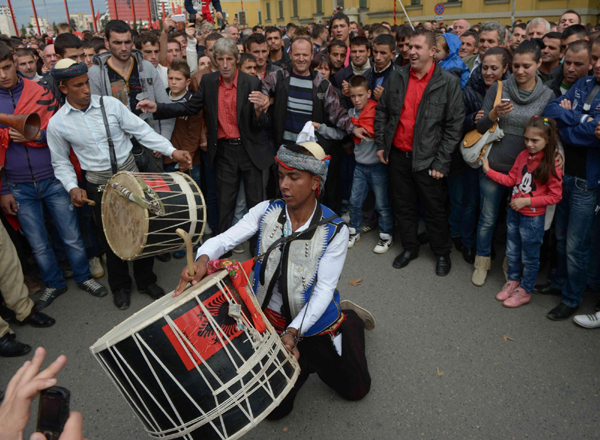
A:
[67, 69]
[316, 164]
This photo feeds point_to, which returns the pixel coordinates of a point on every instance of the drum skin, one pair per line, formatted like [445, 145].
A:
[134, 232]
[133, 359]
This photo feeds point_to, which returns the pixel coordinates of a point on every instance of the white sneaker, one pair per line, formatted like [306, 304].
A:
[384, 244]
[96, 268]
[588, 321]
[354, 237]
[239, 249]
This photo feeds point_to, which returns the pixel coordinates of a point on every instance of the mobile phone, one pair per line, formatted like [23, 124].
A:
[178, 17]
[53, 412]
[505, 99]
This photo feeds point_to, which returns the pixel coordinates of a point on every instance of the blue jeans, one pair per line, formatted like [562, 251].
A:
[373, 177]
[490, 197]
[30, 199]
[240, 205]
[464, 201]
[524, 238]
[573, 224]
[594, 264]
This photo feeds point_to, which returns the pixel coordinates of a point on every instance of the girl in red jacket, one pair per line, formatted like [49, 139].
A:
[537, 183]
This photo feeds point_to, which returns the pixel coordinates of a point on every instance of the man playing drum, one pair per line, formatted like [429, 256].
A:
[304, 245]
[80, 125]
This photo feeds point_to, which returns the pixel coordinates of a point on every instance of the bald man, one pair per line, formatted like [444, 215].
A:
[460, 27]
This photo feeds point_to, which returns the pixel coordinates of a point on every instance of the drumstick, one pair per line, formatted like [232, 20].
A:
[88, 201]
[188, 250]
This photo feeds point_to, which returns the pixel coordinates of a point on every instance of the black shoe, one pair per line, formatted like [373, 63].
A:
[547, 289]
[597, 306]
[5, 313]
[561, 312]
[122, 298]
[38, 319]
[443, 266]
[423, 238]
[94, 287]
[154, 291]
[469, 255]
[493, 253]
[164, 257]
[48, 296]
[457, 241]
[10, 347]
[589, 288]
[404, 258]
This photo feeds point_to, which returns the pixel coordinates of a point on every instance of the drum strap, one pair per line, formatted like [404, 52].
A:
[111, 145]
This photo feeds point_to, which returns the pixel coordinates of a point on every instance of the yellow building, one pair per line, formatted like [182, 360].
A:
[252, 11]
[281, 12]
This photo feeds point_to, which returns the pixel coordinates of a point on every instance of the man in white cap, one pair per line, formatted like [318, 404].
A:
[302, 246]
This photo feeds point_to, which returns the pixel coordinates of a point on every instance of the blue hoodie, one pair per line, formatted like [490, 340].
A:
[453, 63]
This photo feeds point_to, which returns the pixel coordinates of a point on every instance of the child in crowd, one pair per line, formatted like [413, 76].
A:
[188, 129]
[447, 57]
[537, 183]
[247, 64]
[369, 173]
[186, 134]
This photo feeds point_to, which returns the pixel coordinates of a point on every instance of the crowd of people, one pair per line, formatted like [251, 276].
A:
[391, 106]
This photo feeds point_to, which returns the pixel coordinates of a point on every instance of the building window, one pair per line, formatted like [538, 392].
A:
[269, 11]
[362, 4]
[415, 2]
[242, 17]
[259, 17]
[281, 9]
[319, 6]
[295, 4]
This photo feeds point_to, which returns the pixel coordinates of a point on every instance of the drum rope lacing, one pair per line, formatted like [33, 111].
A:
[261, 380]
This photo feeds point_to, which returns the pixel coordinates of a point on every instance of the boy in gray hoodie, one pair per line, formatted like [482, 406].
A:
[370, 173]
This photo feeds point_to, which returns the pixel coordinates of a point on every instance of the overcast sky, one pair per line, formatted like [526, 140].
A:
[53, 10]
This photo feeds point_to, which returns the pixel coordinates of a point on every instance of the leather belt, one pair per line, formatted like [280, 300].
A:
[237, 141]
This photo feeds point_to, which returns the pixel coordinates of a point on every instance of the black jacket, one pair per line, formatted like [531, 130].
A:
[251, 128]
[554, 83]
[48, 83]
[439, 123]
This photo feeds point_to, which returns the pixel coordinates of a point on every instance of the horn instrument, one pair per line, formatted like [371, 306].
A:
[28, 125]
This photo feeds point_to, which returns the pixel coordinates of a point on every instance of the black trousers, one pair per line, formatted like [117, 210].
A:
[407, 190]
[348, 374]
[118, 270]
[232, 164]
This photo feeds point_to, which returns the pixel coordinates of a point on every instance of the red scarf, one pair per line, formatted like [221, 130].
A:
[366, 120]
[34, 99]
[206, 11]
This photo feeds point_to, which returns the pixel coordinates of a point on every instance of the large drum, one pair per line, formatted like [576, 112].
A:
[141, 212]
[197, 366]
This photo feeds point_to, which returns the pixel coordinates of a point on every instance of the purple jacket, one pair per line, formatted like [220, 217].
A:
[23, 164]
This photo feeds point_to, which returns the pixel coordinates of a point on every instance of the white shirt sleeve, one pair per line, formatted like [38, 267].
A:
[328, 275]
[192, 56]
[59, 153]
[237, 234]
[143, 132]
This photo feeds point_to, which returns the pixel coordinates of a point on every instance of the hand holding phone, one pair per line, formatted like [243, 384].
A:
[53, 412]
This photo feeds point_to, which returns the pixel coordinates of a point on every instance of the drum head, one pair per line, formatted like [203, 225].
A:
[125, 223]
[154, 312]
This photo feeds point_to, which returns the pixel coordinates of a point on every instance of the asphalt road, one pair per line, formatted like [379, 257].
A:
[440, 364]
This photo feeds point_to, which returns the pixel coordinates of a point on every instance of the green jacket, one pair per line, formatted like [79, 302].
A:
[438, 127]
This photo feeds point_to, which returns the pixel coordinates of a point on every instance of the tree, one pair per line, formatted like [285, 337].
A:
[103, 22]
[23, 30]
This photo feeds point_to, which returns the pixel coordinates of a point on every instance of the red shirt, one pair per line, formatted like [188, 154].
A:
[403, 138]
[227, 127]
[521, 178]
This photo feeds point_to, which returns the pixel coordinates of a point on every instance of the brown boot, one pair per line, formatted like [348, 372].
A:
[32, 284]
[482, 265]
